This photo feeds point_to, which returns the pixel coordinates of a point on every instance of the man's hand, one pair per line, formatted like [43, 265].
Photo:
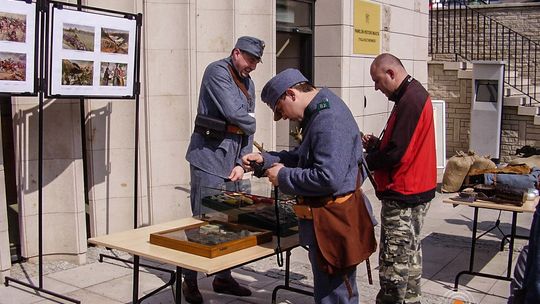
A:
[236, 173]
[369, 141]
[272, 173]
[246, 159]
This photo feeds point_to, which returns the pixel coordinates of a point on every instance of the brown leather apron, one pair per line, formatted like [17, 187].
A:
[344, 231]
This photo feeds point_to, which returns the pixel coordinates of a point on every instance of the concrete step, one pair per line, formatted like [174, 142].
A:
[537, 120]
[516, 100]
[465, 74]
[528, 110]
[510, 91]
[456, 65]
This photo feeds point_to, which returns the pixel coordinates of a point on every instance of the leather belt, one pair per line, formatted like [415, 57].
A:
[234, 130]
[303, 211]
[216, 133]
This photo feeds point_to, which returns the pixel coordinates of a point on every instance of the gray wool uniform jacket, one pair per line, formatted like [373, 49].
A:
[326, 162]
[222, 99]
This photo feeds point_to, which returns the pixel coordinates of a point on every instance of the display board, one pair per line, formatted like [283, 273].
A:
[17, 46]
[439, 119]
[91, 54]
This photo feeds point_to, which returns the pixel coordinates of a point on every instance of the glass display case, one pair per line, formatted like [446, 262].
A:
[250, 202]
[211, 239]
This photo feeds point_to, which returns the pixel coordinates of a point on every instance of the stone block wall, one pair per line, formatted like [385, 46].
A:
[517, 130]
[485, 39]
[445, 85]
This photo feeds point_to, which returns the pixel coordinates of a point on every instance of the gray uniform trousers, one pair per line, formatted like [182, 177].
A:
[327, 289]
[199, 179]
[400, 254]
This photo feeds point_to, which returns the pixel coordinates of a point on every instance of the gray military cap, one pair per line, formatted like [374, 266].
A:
[251, 45]
[276, 86]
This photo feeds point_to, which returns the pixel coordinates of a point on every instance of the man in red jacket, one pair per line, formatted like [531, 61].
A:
[404, 163]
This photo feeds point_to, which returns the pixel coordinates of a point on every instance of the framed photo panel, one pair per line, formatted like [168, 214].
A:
[17, 46]
[91, 54]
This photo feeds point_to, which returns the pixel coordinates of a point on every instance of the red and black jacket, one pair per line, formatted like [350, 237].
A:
[405, 160]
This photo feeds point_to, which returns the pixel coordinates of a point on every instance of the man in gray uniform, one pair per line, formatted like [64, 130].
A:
[223, 132]
[323, 172]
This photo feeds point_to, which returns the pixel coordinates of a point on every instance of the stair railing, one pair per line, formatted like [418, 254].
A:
[463, 31]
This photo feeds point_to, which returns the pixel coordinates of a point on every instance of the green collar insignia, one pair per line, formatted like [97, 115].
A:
[324, 104]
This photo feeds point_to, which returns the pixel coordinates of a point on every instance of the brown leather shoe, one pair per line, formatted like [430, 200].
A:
[191, 292]
[230, 286]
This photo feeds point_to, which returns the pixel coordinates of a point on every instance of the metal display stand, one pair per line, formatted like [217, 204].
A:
[38, 87]
[41, 87]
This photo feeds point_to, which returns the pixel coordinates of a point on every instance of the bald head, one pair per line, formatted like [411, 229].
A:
[387, 60]
[387, 72]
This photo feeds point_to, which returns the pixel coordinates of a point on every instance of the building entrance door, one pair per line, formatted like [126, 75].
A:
[294, 49]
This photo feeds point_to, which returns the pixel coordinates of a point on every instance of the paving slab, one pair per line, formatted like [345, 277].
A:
[446, 241]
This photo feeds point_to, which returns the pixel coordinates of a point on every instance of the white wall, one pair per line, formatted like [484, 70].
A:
[404, 33]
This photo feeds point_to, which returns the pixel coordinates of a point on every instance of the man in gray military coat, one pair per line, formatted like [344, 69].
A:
[223, 133]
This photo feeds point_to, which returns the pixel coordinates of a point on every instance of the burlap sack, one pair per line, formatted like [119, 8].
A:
[456, 169]
[481, 164]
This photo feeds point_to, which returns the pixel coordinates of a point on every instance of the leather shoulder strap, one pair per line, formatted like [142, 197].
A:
[239, 83]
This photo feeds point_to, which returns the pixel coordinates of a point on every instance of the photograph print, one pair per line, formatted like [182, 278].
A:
[12, 66]
[17, 41]
[113, 74]
[77, 72]
[114, 41]
[12, 27]
[78, 37]
[92, 55]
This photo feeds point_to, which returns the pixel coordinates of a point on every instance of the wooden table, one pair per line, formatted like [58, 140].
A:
[137, 242]
[528, 206]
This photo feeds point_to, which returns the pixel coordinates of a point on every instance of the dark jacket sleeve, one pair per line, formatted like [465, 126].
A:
[407, 115]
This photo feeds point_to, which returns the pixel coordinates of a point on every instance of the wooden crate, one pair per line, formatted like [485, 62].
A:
[204, 239]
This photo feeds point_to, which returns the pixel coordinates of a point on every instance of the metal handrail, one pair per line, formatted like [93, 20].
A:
[458, 29]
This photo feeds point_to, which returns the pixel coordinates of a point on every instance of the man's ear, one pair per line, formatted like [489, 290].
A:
[391, 73]
[291, 93]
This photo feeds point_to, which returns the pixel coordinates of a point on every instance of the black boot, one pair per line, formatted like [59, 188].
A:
[191, 292]
[230, 286]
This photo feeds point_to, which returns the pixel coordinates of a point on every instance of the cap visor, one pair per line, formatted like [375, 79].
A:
[254, 55]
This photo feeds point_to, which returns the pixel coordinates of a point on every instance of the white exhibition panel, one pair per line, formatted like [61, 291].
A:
[17, 46]
[91, 57]
[486, 116]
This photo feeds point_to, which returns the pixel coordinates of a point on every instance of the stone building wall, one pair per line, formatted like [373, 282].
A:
[511, 34]
[454, 87]
[445, 85]
[517, 131]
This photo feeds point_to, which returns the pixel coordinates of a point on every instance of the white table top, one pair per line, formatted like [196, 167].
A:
[137, 242]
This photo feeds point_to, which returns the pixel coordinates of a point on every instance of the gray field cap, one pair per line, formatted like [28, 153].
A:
[276, 86]
[251, 45]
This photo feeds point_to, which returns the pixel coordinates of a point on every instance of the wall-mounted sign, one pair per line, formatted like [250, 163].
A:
[17, 43]
[367, 27]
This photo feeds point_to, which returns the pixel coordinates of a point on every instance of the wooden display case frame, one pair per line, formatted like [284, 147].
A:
[161, 238]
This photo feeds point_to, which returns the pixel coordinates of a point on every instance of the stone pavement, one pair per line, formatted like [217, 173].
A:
[446, 245]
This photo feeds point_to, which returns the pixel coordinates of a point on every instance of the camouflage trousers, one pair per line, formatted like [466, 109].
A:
[400, 253]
